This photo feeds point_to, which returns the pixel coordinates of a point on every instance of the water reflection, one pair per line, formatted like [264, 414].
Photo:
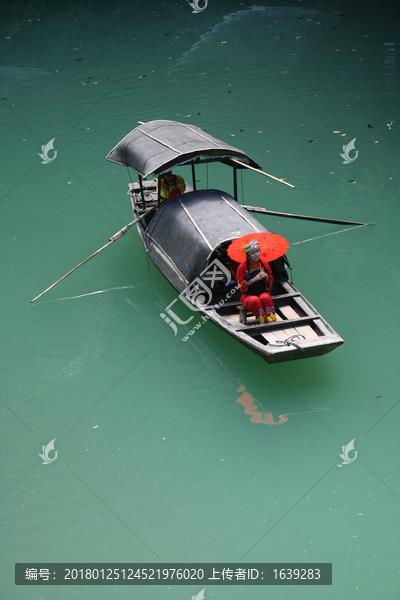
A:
[250, 408]
[259, 414]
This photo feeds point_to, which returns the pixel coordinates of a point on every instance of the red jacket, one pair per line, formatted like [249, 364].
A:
[242, 272]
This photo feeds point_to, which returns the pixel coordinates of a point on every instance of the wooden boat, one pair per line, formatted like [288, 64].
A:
[187, 237]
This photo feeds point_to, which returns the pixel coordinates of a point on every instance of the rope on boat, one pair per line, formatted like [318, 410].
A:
[289, 342]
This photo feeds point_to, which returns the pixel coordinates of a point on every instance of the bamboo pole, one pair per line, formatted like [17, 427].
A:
[262, 172]
[112, 239]
[264, 211]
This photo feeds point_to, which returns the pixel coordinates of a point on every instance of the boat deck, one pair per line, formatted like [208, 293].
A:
[288, 325]
[296, 321]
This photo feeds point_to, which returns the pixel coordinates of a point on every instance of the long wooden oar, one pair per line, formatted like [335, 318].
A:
[113, 238]
[264, 211]
[242, 164]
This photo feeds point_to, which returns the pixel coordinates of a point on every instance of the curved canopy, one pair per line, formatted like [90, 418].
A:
[188, 228]
[158, 146]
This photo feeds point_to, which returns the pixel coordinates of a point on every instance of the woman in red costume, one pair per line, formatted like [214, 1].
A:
[171, 186]
[255, 282]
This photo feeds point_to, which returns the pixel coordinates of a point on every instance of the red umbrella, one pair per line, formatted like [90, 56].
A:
[272, 246]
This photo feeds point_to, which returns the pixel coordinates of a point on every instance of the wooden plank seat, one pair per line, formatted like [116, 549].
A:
[300, 321]
[286, 295]
[244, 314]
[234, 303]
[286, 310]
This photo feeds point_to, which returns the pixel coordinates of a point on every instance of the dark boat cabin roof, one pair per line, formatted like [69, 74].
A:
[158, 146]
[190, 229]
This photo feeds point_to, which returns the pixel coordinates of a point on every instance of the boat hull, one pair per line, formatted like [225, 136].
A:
[299, 331]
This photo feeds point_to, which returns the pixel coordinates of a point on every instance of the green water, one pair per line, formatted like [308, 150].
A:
[157, 461]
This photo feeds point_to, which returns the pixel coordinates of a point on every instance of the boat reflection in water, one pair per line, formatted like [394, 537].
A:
[250, 408]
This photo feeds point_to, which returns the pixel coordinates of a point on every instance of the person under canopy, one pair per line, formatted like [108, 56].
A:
[171, 185]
